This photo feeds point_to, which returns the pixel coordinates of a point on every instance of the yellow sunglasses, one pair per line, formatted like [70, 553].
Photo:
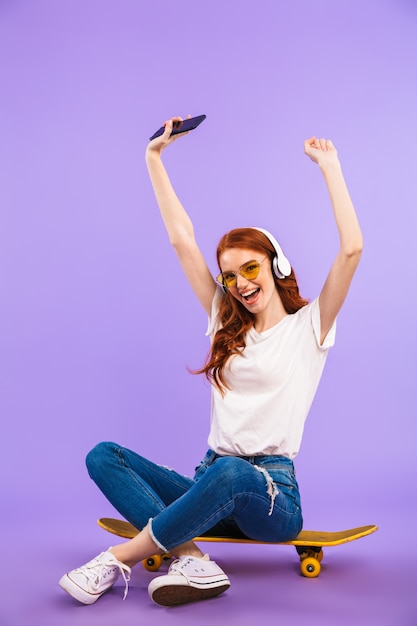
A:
[249, 270]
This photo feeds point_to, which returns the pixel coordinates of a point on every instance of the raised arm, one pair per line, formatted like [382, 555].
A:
[338, 281]
[177, 222]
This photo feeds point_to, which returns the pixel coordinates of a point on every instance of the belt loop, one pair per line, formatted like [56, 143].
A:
[212, 457]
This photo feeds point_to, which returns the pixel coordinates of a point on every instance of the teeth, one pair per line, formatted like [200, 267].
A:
[248, 293]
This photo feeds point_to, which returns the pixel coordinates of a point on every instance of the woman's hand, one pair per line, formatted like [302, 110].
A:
[321, 151]
[336, 287]
[159, 144]
[177, 221]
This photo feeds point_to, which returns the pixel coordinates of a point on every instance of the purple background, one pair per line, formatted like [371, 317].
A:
[98, 324]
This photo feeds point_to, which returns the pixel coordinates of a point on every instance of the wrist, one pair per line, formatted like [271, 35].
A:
[330, 167]
[152, 155]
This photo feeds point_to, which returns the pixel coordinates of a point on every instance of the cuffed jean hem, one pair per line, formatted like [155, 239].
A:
[154, 539]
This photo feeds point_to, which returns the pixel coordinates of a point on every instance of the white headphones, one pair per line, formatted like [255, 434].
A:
[280, 264]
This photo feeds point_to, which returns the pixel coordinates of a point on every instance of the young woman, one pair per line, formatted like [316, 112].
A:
[268, 350]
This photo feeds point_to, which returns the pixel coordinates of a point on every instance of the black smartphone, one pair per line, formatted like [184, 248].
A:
[181, 127]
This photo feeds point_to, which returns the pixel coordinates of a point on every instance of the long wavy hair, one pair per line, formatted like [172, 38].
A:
[235, 319]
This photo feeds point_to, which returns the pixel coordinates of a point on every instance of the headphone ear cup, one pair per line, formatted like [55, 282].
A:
[275, 268]
[280, 264]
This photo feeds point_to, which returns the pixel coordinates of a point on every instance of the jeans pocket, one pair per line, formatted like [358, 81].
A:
[286, 483]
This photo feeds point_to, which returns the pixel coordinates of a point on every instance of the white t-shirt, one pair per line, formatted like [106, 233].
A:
[272, 385]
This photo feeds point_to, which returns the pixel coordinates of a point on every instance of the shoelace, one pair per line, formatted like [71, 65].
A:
[96, 569]
[179, 564]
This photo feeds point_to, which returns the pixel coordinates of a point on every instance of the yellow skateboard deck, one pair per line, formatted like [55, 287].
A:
[309, 543]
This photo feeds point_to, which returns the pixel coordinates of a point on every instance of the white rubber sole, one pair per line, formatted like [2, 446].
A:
[76, 592]
[167, 592]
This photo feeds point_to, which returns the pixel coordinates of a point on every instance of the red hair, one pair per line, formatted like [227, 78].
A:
[235, 319]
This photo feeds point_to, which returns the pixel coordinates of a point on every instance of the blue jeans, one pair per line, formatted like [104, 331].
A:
[254, 497]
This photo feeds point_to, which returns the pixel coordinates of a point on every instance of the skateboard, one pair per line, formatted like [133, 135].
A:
[309, 543]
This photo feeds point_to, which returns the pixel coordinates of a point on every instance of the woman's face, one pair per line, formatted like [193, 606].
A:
[256, 294]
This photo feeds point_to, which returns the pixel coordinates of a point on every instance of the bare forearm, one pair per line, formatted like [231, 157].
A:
[177, 222]
[350, 234]
[176, 219]
[339, 278]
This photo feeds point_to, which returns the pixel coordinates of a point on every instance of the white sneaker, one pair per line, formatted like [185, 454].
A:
[88, 582]
[189, 578]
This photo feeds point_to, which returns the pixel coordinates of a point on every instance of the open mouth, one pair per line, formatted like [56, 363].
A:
[251, 295]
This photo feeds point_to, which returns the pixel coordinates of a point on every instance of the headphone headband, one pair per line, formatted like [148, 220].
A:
[280, 264]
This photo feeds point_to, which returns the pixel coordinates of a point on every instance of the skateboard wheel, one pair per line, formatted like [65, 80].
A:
[153, 563]
[320, 556]
[310, 568]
